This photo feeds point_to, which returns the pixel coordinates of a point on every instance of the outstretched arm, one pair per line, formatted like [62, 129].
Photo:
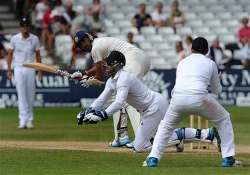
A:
[102, 99]
[121, 96]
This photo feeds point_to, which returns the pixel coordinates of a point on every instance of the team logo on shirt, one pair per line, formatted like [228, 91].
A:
[156, 83]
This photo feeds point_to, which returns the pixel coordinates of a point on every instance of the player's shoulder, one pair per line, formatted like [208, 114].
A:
[125, 76]
[16, 36]
[33, 36]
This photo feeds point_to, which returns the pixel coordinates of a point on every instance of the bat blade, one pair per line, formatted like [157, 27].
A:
[41, 66]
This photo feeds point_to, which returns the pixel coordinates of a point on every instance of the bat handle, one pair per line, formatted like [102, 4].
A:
[63, 73]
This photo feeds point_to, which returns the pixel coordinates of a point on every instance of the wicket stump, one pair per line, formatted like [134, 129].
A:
[198, 122]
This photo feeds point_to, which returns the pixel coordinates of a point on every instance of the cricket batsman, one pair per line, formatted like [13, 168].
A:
[190, 95]
[151, 105]
[136, 63]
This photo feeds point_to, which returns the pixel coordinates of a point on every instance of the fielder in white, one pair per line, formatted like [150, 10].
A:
[24, 48]
[151, 105]
[136, 63]
[190, 94]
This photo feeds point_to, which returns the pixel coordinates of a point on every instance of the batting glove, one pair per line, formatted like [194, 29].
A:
[76, 75]
[85, 82]
[95, 117]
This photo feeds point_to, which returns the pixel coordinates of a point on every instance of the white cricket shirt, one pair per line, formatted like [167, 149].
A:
[24, 48]
[136, 60]
[101, 47]
[128, 89]
[193, 75]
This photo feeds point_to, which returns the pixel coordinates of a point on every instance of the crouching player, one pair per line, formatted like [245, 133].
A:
[151, 105]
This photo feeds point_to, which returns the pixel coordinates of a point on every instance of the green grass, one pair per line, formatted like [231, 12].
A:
[29, 162]
[58, 124]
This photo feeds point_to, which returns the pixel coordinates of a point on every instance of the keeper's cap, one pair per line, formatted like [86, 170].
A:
[116, 57]
[200, 45]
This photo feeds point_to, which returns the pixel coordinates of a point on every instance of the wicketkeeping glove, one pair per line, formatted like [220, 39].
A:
[79, 118]
[81, 115]
[95, 117]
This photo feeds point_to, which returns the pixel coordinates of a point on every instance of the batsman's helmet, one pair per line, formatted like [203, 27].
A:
[115, 61]
[80, 35]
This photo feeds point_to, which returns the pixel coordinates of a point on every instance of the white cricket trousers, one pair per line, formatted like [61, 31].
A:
[25, 86]
[204, 105]
[150, 120]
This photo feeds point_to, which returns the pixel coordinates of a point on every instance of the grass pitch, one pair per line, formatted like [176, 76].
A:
[58, 124]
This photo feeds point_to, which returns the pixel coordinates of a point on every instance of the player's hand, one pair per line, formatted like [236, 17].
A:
[81, 115]
[9, 74]
[95, 117]
[76, 75]
[40, 75]
[94, 82]
[84, 83]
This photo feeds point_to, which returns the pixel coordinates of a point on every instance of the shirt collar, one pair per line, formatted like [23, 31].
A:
[117, 75]
[21, 36]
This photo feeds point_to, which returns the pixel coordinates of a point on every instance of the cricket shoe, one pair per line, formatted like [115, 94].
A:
[130, 145]
[180, 146]
[213, 135]
[180, 132]
[22, 126]
[150, 162]
[30, 125]
[120, 142]
[231, 162]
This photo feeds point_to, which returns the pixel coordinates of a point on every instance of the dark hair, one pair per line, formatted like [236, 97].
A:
[200, 45]
[116, 57]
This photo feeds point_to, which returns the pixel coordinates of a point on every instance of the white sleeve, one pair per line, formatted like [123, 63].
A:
[215, 81]
[37, 44]
[12, 45]
[102, 99]
[121, 96]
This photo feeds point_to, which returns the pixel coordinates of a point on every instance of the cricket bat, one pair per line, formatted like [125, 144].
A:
[47, 68]
[52, 69]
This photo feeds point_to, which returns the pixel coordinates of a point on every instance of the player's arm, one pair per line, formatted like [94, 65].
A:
[103, 97]
[100, 115]
[215, 80]
[10, 57]
[38, 57]
[9, 61]
[120, 99]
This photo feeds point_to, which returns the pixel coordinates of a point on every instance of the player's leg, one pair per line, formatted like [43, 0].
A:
[134, 117]
[148, 126]
[20, 81]
[215, 112]
[163, 134]
[120, 128]
[181, 135]
[30, 92]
